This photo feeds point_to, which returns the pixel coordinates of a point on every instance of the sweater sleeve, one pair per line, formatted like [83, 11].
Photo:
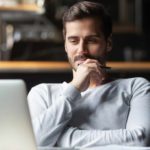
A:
[49, 117]
[74, 137]
[136, 133]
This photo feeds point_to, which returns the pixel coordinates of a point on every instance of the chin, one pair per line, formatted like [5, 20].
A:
[73, 67]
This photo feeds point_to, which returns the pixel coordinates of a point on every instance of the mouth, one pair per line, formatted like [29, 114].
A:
[79, 62]
[80, 59]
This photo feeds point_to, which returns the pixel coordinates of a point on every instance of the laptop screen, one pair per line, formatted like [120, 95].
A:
[15, 126]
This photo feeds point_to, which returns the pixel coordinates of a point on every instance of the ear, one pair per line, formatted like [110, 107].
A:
[109, 43]
[64, 34]
[65, 47]
[64, 37]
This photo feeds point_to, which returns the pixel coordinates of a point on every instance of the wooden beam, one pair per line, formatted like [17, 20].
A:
[49, 66]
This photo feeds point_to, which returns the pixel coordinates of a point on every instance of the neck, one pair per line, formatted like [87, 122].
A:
[94, 82]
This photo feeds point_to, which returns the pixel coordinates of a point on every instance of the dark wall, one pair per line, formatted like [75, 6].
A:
[33, 79]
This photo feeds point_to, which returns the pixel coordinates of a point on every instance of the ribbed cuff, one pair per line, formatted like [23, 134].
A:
[71, 93]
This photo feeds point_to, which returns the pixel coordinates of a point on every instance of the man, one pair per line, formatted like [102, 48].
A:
[91, 110]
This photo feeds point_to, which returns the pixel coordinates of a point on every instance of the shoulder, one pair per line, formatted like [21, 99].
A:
[138, 86]
[45, 88]
[133, 88]
[136, 81]
[45, 92]
[131, 85]
[141, 86]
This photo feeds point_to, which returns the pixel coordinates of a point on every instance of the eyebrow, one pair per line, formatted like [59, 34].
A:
[94, 36]
[72, 37]
[89, 36]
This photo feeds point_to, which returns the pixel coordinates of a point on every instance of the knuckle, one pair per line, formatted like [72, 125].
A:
[87, 59]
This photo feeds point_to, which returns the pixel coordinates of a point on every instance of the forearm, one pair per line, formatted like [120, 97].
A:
[49, 120]
[49, 125]
[74, 137]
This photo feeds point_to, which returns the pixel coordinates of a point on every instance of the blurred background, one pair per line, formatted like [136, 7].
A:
[31, 32]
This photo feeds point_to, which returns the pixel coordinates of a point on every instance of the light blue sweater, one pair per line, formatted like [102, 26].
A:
[117, 112]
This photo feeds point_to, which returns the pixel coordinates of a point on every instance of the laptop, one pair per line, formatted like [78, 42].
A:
[15, 124]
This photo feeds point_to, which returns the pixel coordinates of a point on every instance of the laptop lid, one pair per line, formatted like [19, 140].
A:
[15, 123]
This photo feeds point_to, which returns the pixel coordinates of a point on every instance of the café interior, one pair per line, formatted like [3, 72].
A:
[31, 42]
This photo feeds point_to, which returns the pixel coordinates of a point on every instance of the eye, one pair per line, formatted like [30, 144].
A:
[93, 40]
[73, 41]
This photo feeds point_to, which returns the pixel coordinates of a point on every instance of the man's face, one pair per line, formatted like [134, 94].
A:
[84, 39]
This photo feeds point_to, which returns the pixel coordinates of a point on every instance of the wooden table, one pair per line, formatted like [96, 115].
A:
[49, 66]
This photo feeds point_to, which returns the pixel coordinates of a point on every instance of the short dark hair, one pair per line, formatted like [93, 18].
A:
[87, 9]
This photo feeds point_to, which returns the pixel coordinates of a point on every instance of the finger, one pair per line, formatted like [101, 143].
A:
[90, 61]
[93, 67]
[100, 66]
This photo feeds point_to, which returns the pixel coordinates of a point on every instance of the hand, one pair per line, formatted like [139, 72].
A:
[88, 70]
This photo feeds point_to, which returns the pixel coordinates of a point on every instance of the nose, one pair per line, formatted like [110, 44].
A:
[82, 48]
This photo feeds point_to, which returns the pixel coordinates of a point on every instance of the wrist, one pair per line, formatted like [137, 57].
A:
[76, 85]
